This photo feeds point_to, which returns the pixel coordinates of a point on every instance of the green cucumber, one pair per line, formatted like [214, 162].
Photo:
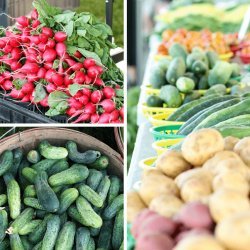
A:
[29, 227]
[235, 131]
[94, 179]
[177, 50]
[66, 237]
[67, 198]
[38, 246]
[91, 244]
[82, 238]
[46, 196]
[235, 121]
[100, 163]
[185, 84]
[3, 224]
[117, 236]
[87, 157]
[29, 174]
[29, 191]
[176, 69]
[212, 58]
[52, 231]
[171, 96]
[17, 158]
[5, 244]
[76, 173]
[94, 231]
[58, 167]
[34, 203]
[63, 218]
[157, 77]
[22, 180]
[103, 187]
[41, 214]
[33, 156]
[3, 199]
[114, 188]
[90, 195]
[114, 207]
[52, 152]
[13, 195]
[154, 101]
[44, 165]
[104, 239]
[6, 161]
[199, 67]
[26, 244]
[15, 242]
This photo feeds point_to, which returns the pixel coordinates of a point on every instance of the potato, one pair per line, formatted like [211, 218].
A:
[201, 145]
[195, 189]
[172, 163]
[199, 242]
[166, 205]
[234, 231]
[195, 215]
[155, 184]
[156, 241]
[149, 173]
[135, 205]
[192, 232]
[230, 142]
[231, 180]
[225, 202]
[242, 148]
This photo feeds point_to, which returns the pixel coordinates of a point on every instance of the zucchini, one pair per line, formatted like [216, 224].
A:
[3, 199]
[104, 239]
[82, 238]
[52, 230]
[91, 244]
[29, 191]
[235, 131]
[90, 195]
[29, 174]
[66, 237]
[103, 187]
[114, 188]
[46, 196]
[76, 173]
[33, 156]
[235, 121]
[17, 158]
[6, 161]
[100, 163]
[94, 179]
[117, 236]
[44, 165]
[58, 167]
[34, 203]
[13, 196]
[52, 152]
[67, 198]
[87, 157]
[29, 227]
[15, 242]
[3, 224]
[114, 207]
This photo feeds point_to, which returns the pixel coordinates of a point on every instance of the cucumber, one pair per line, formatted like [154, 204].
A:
[177, 50]
[82, 238]
[3, 199]
[240, 108]
[22, 180]
[15, 242]
[76, 173]
[26, 244]
[91, 244]
[29, 227]
[41, 214]
[185, 84]
[114, 188]
[199, 67]
[190, 125]
[29, 174]
[89, 216]
[94, 179]
[238, 120]
[87, 157]
[171, 96]
[52, 152]
[117, 236]
[24, 218]
[193, 57]
[163, 63]
[90, 195]
[33, 156]
[235, 131]
[203, 82]
[63, 218]
[114, 207]
[67, 198]
[29, 191]
[3, 224]
[5, 244]
[38, 246]
[104, 239]
[212, 58]
[52, 231]
[103, 187]
[176, 69]
[94, 231]
[122, 246]
[236, 69]
[219, 89]
[17, 158]
[66, 237]
[44, 165]
[100, 163]
[154, 101]
[6, 161]
[13, 196]
[34, 203]
[189, 113]
[157, 77]
[58, 167]
[46, 196]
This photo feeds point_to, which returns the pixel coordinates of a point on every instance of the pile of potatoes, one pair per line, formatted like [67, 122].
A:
[196, 199]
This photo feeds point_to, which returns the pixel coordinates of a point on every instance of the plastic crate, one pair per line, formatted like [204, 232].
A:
[147, 163]
[161, 120]
[150, 111]
[161, 146]
[166, 132]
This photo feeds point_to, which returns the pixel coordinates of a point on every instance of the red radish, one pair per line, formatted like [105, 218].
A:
[43, 38]
[34, 40]
[88, 62]
[34, 14]
[23, 21]
[108, 105]
[1, 79]
[78, 54]
[96, 96]
[19, 76]
[26, 98]
[48, 32]
[77, 66]
[60, 36]
[49, 75]
[14, 42]
[122, 112]
[98, 82]
[117, 121]
[25, 38]
[49, 55]
[70, 61]
[28, 88]
[86, 92]
[51, 44]
[114, 115]
[88, 80]
[104, 118]
[108, 92]
[90, 108]
[99, 68]
[71, 111]
[93, 72]
[44, 102]
[2, 43]
[83, 118]
[50, 87]
[32, 77]
[67, 80]
[7, 85]
[7, 49]
[41, 73]
[15, 66]
[79, 77]
[35, 23]
[94, 118]
[7, 75]
[83, 99]
[57, 79]
[78, 94]
[61, 49]
[29, 67]
[74, 103]
[42, 47]
[16, 94]
[16, 54]
[48, 65]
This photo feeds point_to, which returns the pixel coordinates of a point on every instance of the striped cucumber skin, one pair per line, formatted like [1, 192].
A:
[240, 108]
[67, 198]
[66, 237]
[189, 128]
[82, 238]
[15, 242]
[114, 188]
[114, 207]
[3, 199]
[29, 174]
[44, 165]
[58, 167]
[33, 202]
[188, 114]
[117, 236]
[94, 179]
[3, 224]
[91, 244]
[29, 191]
[235, 131]
[103, 187]
[104, 239]
[52, 231]
[6, 161]
[29, 227]
[235, 121]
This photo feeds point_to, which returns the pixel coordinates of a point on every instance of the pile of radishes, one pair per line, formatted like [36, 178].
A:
[34, 63]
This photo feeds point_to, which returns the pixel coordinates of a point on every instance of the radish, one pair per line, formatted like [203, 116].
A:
[50, 87]
[71, 111]
[16, 54]
[23, 21]
[29, 67]
[1, 79]
[88, 62]
[28, 88]
[7, 75]
[83, 99]
[32, 78]
[51, 43]
[16, 94]
[99, 68]
[48, 65]
[44, 102]
[25, 38]
[70, 61]
[49, 55]
[108, 92]
[60, 36]
[7, 49]
[67, 80]
[7, 85]
[41, 73]
[34, 14]
[78, 94]
[88, 80]
[108, 105]
[49, 74]
[61, 49]
[122, 112]
[43, 38]
[2, 43]
[94, 118]
[14, 42]
[104, 118]
[78, 54]
[90, 108]
[84, 117]
[57, 79]
[34, 40]
[42, 47]
[15, 66]
[48, 32]
[26, 98]
[77, 66]
[117, 121]
[79, 77]
[86, 92]
[99, 82]
[74, 103]
[114, 115]
[93, 72]
[35, 23]
[96, 96]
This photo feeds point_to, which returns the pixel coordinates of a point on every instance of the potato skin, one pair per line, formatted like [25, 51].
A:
[172, 163]
[230, 142]
[201, 145]
[234, 232]
[191, 232]
[243, 149]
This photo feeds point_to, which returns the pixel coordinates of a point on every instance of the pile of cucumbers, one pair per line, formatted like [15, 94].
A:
[59, 198]
[179, 78]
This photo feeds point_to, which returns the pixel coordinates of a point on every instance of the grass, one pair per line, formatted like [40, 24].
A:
[97, 7]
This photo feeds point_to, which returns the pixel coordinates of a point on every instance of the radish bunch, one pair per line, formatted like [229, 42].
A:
[35, 63]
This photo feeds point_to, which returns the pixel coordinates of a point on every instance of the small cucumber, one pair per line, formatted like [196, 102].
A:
[67, 198]
[117, 236]
[29, 191]
[66, 237]
[52, 152]
[87, 157]
[90, 195]
[77, 173]
[15, 242]
[94, 231]
[103, 188]
[33, 202]
[63, 218]
[26, 244]
[6, 161]
[29, 174]
[5, 244]
[41, 214]
[29, 227]
[58, 167]
[3, 199]
[82, 238]
[33, 156]
[44, 165]
[38, 246]
[100, 163]
[94, 179]
[114, 207]
[17, 158]
[22, 180]
[104, 239]
[3, 224]
[114, 188]
[52, 231]
[91, 244]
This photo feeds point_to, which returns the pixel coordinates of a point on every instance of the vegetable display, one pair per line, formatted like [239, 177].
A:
[60, 60]
[59, 203]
